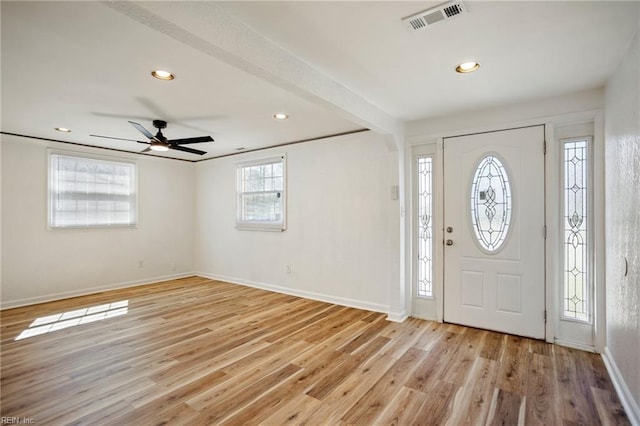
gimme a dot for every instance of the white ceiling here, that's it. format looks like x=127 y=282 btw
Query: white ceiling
x=531 y=49
x=333 y=67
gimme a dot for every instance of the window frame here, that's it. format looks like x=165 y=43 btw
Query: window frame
x=590 y=252
x=430 y=294
x=273 y=226
x=89 y=156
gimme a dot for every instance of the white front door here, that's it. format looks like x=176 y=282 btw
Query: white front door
x=494 y=270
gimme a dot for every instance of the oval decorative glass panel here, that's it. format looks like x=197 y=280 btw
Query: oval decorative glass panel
x=490 y=204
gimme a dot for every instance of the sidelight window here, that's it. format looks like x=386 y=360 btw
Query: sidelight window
x=576 y=245
x=425 y=227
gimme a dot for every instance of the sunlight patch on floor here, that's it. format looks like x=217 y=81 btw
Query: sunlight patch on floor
x=68 y=319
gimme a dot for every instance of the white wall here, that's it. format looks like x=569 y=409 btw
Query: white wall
x=342 y=226
x=622 y=127
x=525 y=113
x=40 y=264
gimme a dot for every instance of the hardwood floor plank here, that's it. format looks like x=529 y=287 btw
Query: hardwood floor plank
x=428 y=371
x=431 y=332
x=343 y=370
x=162 y=389
x=369 y=333
x=402 y=409
x=200 y=352
x=577 y=403
x=610 y=411
x=314 y=369
x=473 y=400
x=438 y=405
x=334 y=326
x=292 y=411
x=596 y=372
x=282 y=349
x=505 y=410
x=346 y=394
x=322 y=312
x=167 y=400
x=103 y=415
x=512 y=376
x=541 y=394
x=466 y=353
x=214 y=411
x=492 y=347
x=372 y=403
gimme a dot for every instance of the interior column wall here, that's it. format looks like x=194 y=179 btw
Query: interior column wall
x=622 y=163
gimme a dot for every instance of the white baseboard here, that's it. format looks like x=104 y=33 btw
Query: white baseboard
x=574 y=345
x=343 y=301
x=91 y=290
x=626 y=398
x=397 y=316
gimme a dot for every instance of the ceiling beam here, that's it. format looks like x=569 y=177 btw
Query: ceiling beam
x=208 y=28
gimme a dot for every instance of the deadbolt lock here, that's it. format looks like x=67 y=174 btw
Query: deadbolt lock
x=449 y=229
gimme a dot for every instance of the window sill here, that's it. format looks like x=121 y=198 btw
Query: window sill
x=76 y=227
x=260 y=227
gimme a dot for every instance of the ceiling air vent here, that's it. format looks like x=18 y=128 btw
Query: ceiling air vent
x=434 y=15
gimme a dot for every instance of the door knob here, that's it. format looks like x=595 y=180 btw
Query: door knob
x=449 y=242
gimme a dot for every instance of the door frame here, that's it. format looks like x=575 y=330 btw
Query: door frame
x=515 y=144
x=553 y=275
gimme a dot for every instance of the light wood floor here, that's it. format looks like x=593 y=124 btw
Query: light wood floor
x=196 y=351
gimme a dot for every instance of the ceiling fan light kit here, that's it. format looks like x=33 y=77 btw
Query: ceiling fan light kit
x=160 y=147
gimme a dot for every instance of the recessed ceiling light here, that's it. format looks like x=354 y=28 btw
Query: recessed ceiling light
x=163 y=75
x=63 y=129
x=280 y=116
x=467 y=67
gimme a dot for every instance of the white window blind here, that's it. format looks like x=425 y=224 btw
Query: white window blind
x=261 y=194
x=88 y=192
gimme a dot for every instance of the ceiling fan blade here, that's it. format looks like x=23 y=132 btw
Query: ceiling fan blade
x=118 y=139
x=146 y=150
x=146 y=143
x=191 y=140
x=185 y=149
x=141 y=129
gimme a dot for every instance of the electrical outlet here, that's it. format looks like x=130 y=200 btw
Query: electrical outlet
x=140 y=263
x=288 y=268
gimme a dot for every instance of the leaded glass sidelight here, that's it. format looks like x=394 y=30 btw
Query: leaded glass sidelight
x=491 y=204
x=425 y=227
x=576 y=297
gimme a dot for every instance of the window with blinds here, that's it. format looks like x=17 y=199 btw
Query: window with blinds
x=261 y=194
x=91 y=192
